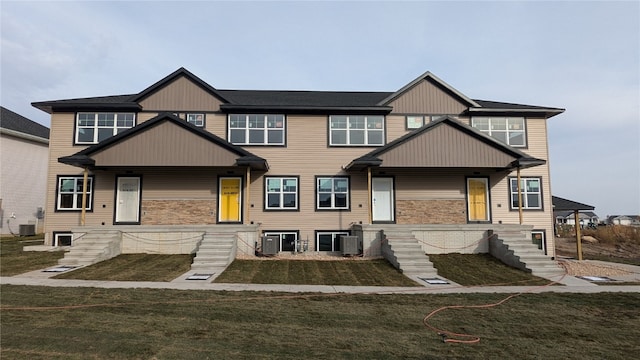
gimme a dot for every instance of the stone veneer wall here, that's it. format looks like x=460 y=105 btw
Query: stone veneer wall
x=431 y=212
x=178 y=212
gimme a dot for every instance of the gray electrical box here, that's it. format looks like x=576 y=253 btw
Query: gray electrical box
x=27 y=230
x=270 y=244
x=350 y=245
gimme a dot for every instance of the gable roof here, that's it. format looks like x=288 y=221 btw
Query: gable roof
x=16 y=124
x=560 y=204
x=428 y=76
x=164 y=140
x=446 y=143
x=570 y=214
x=285 y=101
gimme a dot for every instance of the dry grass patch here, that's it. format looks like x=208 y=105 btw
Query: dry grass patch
x=14 y=260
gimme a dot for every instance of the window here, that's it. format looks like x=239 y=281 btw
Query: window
x=256 y=129
x=288 y=240
x=356 y=130
x=510 y=131
x=196 y=119
x=415 y=122
x=332 y=193
x=281 y=193
x=531 y=193
x=70 y=193
x=329 y=240
x=91 y=128
x=62 y=238
x=537 y=238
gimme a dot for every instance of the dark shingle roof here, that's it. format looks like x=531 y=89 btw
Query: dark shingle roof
x=302 y=98
x=16 y=122
x=564 y=204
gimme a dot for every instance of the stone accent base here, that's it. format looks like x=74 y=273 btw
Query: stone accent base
x=431 y=212
x=178 y=212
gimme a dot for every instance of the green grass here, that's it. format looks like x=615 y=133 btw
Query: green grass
x=481 y=269
x=14 y=261
x=134 y=267
x=173 y=324
x=340 y=272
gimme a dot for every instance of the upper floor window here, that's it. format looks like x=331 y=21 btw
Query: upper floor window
x=510 y=131
x=417 y=121
x=356 y=130
x=91 y=128
x=69 y=196
x=256 y=129
x=332 y=193
x=196 y=119
x=531 y=191
x=281 y=193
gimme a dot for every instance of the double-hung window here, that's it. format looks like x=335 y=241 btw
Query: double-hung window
x=356 y=130
x=281 y=193
x=256 y=129
x=509 y=130
x=91 y=128
x=329 y=240
x=531 y=193
x=69 y=195
x=332 y=193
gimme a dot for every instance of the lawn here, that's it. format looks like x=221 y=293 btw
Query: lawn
x=86 y=323
x=14 y=261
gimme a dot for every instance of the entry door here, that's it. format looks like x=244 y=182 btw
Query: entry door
x=382 y=199
x=128 y=200
x=229 y=195
x=478 y=199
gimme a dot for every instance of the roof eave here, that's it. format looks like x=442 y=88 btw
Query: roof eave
x=50 y=107
x=82 y=161
x=546 y=112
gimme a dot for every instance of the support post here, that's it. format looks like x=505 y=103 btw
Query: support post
x=85 y=182
x=578 y=237
x=370 y=192
x=519 y=197
x=247 y=196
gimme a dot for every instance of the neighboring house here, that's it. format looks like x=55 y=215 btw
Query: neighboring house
x=623 y=220
x=568 y=218
x=24 y=154
x=161 y=167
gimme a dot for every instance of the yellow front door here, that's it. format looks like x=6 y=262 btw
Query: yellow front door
x=230 y=200
x=477 y=195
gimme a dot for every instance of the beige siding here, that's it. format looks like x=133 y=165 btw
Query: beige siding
x=181 y=95
x=427 y=98
x=165 y=144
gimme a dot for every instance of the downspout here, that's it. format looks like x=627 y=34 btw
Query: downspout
x=519 y=197
x=578 y=237
x=370 y=195
x=85 y=180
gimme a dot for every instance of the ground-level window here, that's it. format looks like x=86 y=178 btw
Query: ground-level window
x=329 y=240
x=62 y=238
x=91 y=128
x=281 y=193
x=196 y=119
x=288 y=240
x=531 y=191
x=69 y=193
x=538 y=239
x=332 y=193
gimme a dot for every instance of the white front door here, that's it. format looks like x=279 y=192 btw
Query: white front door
x=128 y=200
x=382 y=199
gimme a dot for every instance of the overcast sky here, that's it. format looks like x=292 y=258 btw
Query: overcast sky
x=581 y=56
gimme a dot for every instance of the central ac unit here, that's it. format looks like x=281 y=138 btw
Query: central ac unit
x=27 y=229
x=270 y=244
x=350 y=245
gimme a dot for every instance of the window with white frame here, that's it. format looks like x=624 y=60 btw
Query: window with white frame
x=415 y=121
x=281 y=193
x=537 y=238
x=329 y=240
x=256 y=129
x=196 y=119
x=69 y=196
x=356 y=130
x=62 y=238
x=288 y=239
x=531 y=193
x=91 y=128
x=509 y=130
x=332 y=193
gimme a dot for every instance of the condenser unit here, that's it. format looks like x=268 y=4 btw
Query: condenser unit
x=350 y=245
x=27 y=229
x=270 y=244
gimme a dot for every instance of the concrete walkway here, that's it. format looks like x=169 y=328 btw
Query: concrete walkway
x=571 y=284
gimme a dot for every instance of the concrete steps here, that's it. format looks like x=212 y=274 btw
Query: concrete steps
x=515 y=249
x=93 y=247
x=405 y=253
x=214 y=252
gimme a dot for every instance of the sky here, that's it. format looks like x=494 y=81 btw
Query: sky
x=582 y=56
